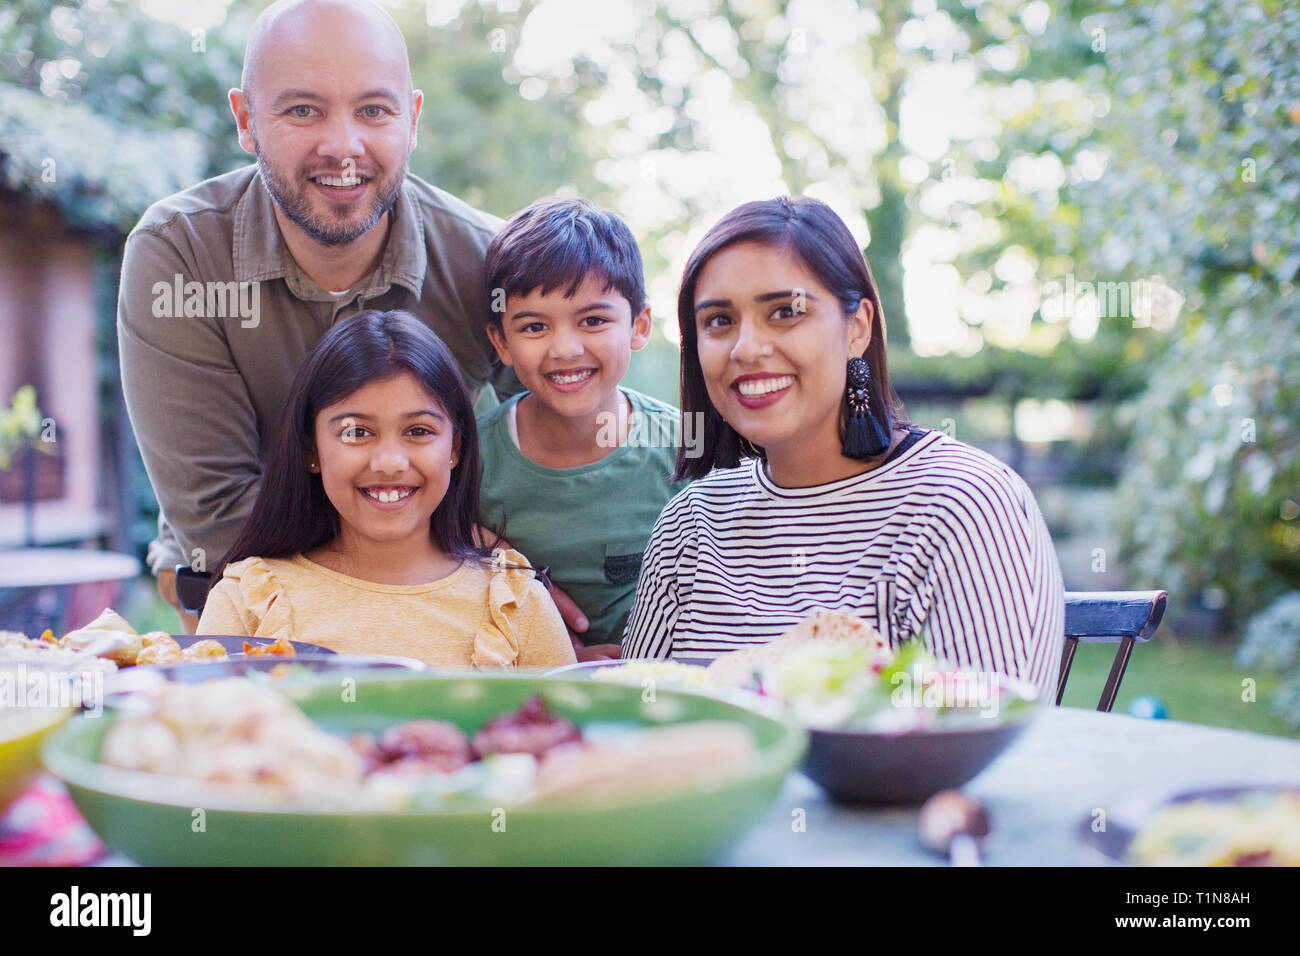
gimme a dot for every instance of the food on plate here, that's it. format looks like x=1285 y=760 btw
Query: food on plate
x=532 y=729
x=125 y=647
x=108 y=624
x=417 y=746
x=279 y=646
x=235 y=731
x=16 y=648
x=204 y=650
x=649 y=761
x=839 y=684
x=667 y=673
x=1254 y=828
x=160 y=649
x=739 y=667
x=231 y=731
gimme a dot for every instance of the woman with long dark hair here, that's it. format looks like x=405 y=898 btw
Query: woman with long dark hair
x=814 y=491
x=362 y=538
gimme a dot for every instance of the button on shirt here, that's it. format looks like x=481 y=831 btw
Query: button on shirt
x=215 y=317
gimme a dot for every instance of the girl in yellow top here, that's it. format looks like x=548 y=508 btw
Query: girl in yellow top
x=363 y=535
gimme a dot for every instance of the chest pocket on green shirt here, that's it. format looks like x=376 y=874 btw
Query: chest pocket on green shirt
x=623 y=561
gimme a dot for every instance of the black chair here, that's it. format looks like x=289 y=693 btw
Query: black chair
x=191 y=589
x=1107 y=617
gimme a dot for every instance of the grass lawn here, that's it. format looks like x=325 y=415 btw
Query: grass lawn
x=1198 y=682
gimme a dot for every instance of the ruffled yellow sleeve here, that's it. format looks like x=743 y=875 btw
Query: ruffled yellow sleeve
x=257 y=596
x=521 y=617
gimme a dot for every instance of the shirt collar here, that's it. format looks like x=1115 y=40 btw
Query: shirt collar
x=261 y=254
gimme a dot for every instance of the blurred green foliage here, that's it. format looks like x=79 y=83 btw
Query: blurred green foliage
x=1272 y=641
x=20 y=426
x=1202 y=187
x=135 y=109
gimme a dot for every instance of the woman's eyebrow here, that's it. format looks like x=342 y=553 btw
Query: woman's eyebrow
x=762 y=297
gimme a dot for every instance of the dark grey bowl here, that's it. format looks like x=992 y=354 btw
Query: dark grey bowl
x=902 y=769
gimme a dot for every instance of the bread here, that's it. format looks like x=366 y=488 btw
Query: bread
x=739 y=667
x=655 y=760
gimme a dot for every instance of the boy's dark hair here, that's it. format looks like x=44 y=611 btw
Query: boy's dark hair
x=557 y=243
x=292 y=513
x=810 y=230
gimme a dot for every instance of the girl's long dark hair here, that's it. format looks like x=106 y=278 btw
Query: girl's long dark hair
x=292 y=513
x=809 y=229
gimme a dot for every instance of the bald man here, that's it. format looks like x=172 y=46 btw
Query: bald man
x=227 y=285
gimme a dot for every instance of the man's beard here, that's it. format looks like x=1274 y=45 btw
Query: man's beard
x=295 y=204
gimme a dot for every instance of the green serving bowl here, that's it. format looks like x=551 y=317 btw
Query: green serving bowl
x=145 y=818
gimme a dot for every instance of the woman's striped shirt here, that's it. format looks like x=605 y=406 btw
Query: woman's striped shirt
x=942 y=536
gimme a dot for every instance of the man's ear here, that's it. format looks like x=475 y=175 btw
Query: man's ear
x=239 y=105
x=641 y=326
x=497 y=334
x=417 y=104
x=861 y=328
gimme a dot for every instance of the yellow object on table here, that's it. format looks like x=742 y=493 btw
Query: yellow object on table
x=22 y=731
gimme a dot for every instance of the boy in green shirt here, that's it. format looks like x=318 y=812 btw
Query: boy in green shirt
x=575 y=469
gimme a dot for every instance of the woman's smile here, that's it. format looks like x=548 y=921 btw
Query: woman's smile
x=762 y=389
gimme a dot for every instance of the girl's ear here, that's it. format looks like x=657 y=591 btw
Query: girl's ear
x=313 y=462
x=861 y=328
x=455 y=450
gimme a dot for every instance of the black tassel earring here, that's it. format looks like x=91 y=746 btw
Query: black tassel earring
x=864 y=435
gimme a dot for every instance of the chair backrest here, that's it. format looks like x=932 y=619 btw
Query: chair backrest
x=1108 y=617
x=191 y=589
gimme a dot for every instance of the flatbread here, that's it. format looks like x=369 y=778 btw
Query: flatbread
x=739 y=667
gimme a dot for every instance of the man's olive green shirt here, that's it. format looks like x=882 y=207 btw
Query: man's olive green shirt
x=206 y=368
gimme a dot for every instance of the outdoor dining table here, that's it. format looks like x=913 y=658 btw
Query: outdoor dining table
x=1046 y=787
x=1041 y=793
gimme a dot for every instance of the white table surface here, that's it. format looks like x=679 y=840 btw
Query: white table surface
x=1069 y=763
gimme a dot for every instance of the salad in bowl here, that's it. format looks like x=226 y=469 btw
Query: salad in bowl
x=841 y=685
x=885 y=727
